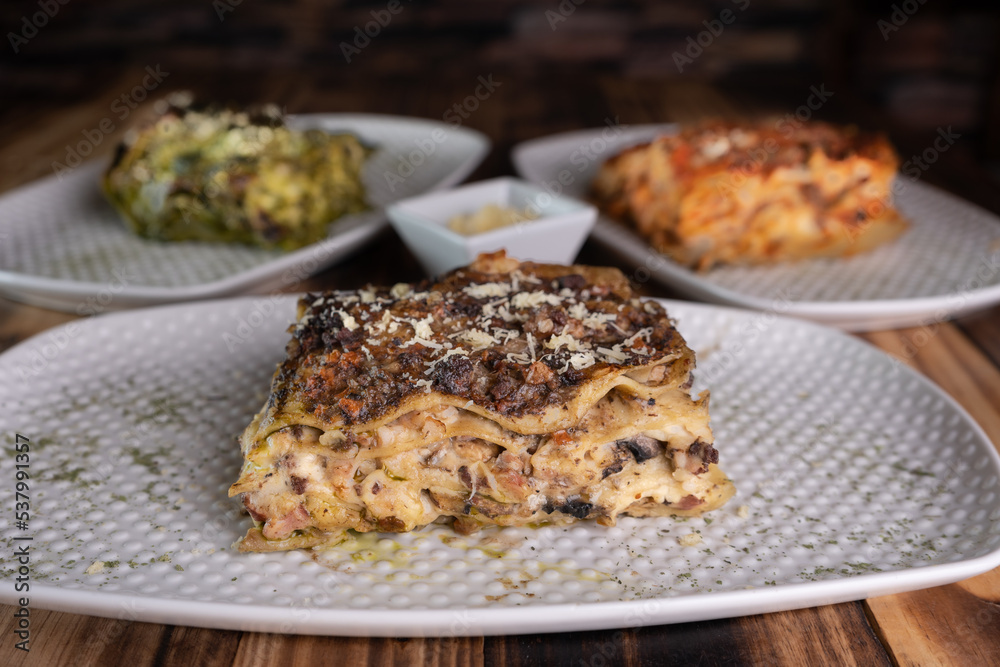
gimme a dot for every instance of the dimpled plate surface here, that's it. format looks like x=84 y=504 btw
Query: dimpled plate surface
x=946 y=264
x=62 y=246
x=855 y=477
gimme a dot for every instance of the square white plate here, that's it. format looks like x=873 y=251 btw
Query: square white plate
x=855 y=477
x=946 y=265
x=62 y=246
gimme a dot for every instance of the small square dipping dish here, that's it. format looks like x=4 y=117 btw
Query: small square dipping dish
x=555 y=236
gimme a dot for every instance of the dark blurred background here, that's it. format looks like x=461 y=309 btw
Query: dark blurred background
x=909 y=67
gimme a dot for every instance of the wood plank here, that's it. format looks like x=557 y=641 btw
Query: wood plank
x=274 y=650
x=983 y=328
x=30 y=154
x=693 y=101
x=985 y=586
x=947 y=625
x=604 y=647
x=198 y=646
x=801 y=637
x=19 y=322
x=627 y=102
x=811 y=637
x=718 y=642
x=71 y=639
x=666 y=102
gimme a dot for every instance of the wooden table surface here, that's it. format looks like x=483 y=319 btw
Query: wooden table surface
x=955 y=624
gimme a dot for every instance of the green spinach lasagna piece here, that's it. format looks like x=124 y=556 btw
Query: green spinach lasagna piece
x=241 y=176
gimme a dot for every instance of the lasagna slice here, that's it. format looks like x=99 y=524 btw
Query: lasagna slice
x=725 y=193
x=502 y=393
x=217 y=174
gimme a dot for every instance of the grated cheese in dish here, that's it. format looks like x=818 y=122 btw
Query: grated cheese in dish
x=488 y=218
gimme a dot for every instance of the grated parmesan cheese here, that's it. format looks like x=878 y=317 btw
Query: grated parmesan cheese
x=518 y=357
x=572 y=344
x=578 y=311
x=95 y=568
x=582 y=360
x=349 y=322
x=484 y=290
x=477 y=340
x=425 y=342
x=598 y=320
x=384 y=321
x=422 y=328
x=534 y=299
x=641 y=333
x=614 y=353
x=689 y=540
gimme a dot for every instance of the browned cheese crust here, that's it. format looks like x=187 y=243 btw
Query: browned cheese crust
x=504 y=393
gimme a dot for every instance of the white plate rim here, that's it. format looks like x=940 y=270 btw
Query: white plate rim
x=474 y=622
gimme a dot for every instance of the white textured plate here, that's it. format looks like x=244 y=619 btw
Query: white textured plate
x=855 y=477
x=947 y=264
x=62 y=246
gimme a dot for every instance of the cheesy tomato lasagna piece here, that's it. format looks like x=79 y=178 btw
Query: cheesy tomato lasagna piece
x=501 y=393
x=727 y=193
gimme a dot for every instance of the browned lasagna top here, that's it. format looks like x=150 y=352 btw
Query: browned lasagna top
x=505 y=339
x=769 y=146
